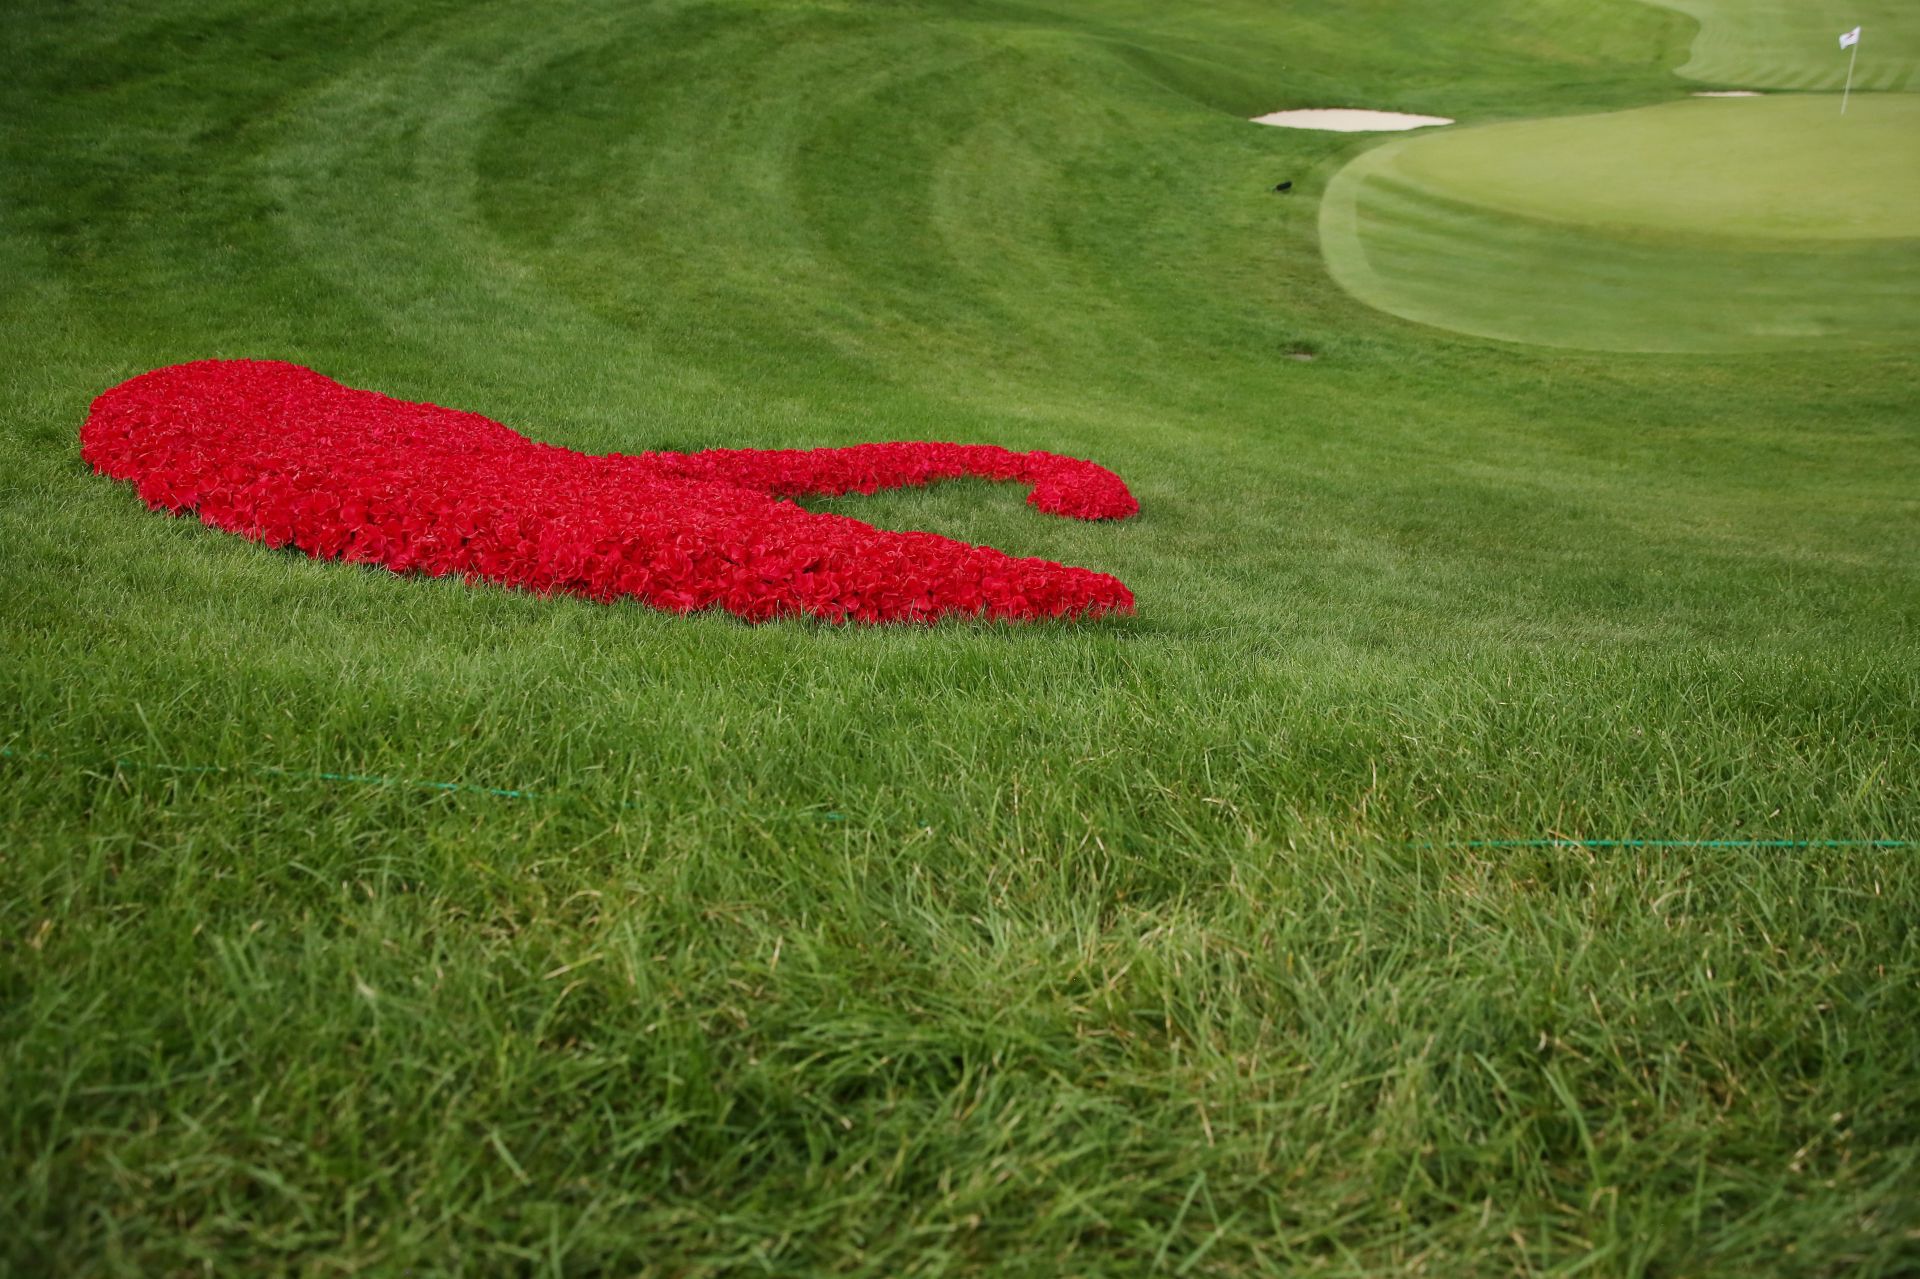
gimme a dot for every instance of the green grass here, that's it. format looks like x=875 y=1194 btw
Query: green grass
x=1107 y=949
x=1795 y=44
x=1788 y=167
x=1725 y=225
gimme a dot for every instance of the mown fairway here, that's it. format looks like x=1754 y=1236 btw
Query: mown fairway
x=1794 y=44
x=1142 y=945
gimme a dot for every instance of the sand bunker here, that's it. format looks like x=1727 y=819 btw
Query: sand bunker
x=1345 y=120
x=1729 y=93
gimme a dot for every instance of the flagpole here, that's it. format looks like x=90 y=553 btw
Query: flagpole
x=1849 y=89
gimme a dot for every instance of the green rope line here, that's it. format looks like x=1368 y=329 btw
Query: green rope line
x=1570 y=842
x=309 y=775
x=372 y=779
x=297 y=774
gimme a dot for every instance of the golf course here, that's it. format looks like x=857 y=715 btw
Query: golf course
x=1722 y=225
x=1486 y=845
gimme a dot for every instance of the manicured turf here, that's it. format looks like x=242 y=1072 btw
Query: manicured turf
x=1729 y=224
x=1789 y=167
x=1795 y=44
x=1102 y=949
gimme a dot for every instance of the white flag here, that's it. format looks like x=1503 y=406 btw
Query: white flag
x=1850 y=39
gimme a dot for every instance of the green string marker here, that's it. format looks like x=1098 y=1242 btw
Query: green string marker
x=372 y=779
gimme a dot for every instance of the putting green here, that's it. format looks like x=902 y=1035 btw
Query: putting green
x=1706 y=225
x=1795 y=44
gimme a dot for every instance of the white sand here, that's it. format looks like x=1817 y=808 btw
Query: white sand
x=1344 y=120
x=1728 y=93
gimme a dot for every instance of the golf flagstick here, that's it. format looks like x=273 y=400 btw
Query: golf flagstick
x=1849 y=40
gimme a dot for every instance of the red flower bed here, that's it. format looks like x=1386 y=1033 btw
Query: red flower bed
x=286 y=456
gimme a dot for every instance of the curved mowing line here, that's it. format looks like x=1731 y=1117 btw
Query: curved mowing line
x=372 y=779
x=1417 y=228
x=1794 y=44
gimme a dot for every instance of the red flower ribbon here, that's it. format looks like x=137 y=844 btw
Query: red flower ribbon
x=286 y=456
